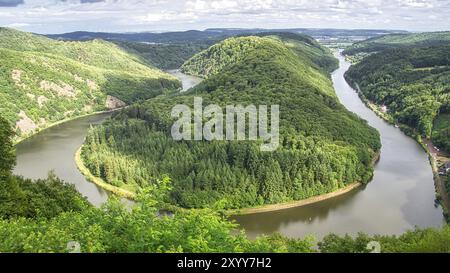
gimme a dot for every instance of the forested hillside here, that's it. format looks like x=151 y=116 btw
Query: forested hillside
x=43 y=81
x=323 y=146
x=414 y=84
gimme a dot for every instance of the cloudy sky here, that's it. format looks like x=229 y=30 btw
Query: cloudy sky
x=58 y=16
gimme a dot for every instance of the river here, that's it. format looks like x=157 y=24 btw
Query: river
x=400 y=196
x=54 y=149
x=187 y=80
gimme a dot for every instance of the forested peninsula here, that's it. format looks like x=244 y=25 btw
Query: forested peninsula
x=323 y=146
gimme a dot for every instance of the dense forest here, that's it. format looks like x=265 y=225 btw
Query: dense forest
x=50 y=216
x=324 y=147
x=414 y=84
x=43 y=81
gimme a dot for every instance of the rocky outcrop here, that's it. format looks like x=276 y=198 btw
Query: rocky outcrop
x=114 y=103
x=63 y=90
x=25 y=124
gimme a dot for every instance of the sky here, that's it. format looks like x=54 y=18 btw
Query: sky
x=60 y=16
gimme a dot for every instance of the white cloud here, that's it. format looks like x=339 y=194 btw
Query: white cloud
x=51 y=16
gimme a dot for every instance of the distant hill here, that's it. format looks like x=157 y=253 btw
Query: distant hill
x=173 y=55
x=413 y=83
x=213 y=34
x=323 y=146
x=169 y=50
x=390 y=41
x=164 y=56
x=43 y=81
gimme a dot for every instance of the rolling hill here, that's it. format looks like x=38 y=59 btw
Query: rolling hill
x=43 y=81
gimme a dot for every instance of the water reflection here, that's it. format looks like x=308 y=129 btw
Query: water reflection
x=54 y=149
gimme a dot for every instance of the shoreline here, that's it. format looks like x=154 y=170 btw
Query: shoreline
x=99 y=181
x=439 y=185
x=304 y=202
x=21 y=139
x=298 y=203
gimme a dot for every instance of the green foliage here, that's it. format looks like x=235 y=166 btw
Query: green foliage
x=441 y=131
x=213 y=60
x=7 y=156
x=115 y=228
x=447 y=187
x=323 y=146
x=21 y=197
x=44 y=81
x=41 y=198
x=413 y=83
x=231 y=51
x=47 y=215
x=428 y=240
x=306 y=48
x=164 y=56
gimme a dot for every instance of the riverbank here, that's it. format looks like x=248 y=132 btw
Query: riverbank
x=100 y=182
x=303 y=202
x=442 y=193
x=21 y=139
x=299 y=203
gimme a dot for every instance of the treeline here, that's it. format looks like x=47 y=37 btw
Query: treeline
x=413 y=83
x=323 y=146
